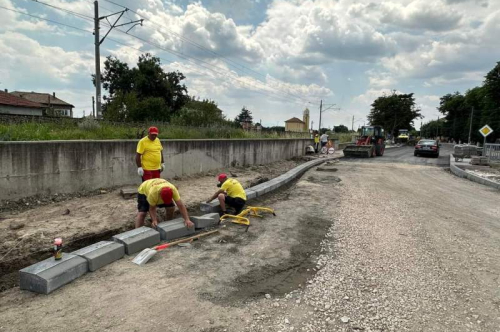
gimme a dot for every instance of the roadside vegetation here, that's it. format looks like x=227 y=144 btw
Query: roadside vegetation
x=93 y=130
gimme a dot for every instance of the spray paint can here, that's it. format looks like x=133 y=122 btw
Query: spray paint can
x=57 y=248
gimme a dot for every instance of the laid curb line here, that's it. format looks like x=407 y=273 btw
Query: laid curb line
x=465 y=175
x=271 y=185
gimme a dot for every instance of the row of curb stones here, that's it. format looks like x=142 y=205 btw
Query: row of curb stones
x=266 y=187
x=48 y=275
x=474 y=178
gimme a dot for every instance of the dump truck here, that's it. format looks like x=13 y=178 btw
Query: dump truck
x=371 y=143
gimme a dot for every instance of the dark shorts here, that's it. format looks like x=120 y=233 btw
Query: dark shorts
x=323 y=144
x=143 y=205
x=148 y=175
x=236 y=203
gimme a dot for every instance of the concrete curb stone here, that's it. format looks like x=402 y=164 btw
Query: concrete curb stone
x=48 y=275
x=101 y=253
x=138 y=239
x=173 y=229
x=206 y=220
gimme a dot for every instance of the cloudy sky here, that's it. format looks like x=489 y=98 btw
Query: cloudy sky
x=276 y=57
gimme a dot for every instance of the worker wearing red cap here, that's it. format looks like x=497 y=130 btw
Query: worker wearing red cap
x=155 y=193
x=231 y=193
x=149 y=157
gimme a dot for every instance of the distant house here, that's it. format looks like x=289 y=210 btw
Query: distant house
x=52 y=104
x=11 y=104
x=297 y=125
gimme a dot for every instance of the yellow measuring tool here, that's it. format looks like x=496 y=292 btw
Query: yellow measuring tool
x=250 y=211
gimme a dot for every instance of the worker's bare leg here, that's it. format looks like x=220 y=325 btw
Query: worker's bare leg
x=169 y=213
x=139 y=222
x=222 y=201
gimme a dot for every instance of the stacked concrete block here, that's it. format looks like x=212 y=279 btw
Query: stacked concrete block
x=174 y=229
x=101 y=253
x=207 y=220
x=211 y=207
x=48 y=275
x=138 y=239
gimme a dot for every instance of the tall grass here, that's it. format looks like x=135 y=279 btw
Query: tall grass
x=71 y=130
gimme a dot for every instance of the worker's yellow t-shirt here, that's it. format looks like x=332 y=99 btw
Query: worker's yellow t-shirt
x=234 y=189
x=151 y=153
x=151 y=188
x=316 y=139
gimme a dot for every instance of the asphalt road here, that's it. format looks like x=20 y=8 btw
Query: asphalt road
x=405 y=155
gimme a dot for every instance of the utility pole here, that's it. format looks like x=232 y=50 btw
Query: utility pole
x=97 y=59
x=93 y=107
x=470 y=128
x=352 y=126
x=98 y=43
x=320 y=111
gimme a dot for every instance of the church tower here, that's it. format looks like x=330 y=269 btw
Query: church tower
x=306 y=120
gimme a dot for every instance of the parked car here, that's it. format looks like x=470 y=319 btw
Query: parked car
x=427 y=147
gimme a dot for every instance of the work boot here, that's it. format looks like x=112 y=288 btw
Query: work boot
x=221 y=213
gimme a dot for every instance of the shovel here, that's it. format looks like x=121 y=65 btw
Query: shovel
x=145 y=255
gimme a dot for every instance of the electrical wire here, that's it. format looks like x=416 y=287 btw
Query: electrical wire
x=225 y=59
x=45 y=19
x=178 y=54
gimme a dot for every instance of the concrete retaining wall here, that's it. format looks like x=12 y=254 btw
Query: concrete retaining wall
x=31 y=168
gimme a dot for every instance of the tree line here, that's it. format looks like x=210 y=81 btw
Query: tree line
x=477 y=107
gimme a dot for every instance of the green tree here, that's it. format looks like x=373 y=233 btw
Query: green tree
x=147 y=85
x=200 y=113
x=341 y=129
x=394 y=112
x=244 y=116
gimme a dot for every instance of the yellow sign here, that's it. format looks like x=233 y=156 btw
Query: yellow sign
x=486 y=130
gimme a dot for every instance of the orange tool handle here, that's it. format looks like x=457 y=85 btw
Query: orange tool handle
x=162 y=246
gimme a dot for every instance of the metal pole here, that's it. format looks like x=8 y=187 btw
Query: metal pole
x=470 y=129
x=93 y=107
x=97 y=61
x=352 y=125
x=320 y=111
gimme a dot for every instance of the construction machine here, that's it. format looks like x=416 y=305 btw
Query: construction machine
x=404 y=136
x=371 y=143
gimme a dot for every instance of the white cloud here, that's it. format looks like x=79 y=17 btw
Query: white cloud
x=12 y=21
x=317 y=32
x=36 y=62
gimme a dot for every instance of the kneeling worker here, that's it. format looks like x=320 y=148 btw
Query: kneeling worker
x=230 y=193
x=159 y=193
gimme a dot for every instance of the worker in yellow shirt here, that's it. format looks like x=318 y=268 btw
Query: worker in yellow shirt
x=316 y=142
x=159 y=192
x=149 y=157
x=231 y=193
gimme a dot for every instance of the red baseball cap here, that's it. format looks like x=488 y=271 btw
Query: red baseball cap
x=166 y=195
x=153 y=130
x=222 y=177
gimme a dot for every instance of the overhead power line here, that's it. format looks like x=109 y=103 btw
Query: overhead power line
x=45 y=19
x=224 y=58
x=275 y=91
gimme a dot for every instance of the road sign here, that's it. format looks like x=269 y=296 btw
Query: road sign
x=486 y=130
